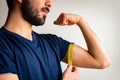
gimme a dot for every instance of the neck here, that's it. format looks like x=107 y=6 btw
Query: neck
x=15 y=23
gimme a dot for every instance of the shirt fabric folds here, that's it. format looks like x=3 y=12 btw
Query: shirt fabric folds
x=38 y=59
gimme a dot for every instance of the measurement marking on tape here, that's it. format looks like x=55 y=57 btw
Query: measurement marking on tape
x=70 y=53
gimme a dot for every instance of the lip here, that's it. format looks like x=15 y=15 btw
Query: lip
x=45 y=10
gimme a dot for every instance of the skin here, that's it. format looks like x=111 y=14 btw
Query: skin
x=94 y=57
x=71 y=73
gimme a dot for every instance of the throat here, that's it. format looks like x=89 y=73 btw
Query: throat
x=29 y=37
x=27 y=34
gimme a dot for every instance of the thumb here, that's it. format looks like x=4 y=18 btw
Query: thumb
x=68 y=69
x=55 y=22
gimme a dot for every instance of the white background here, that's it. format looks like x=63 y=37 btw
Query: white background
x=103 y=16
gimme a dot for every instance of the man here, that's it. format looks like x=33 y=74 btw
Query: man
x=27 y=55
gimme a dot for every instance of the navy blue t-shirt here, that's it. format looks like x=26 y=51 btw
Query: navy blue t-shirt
x=32 y=60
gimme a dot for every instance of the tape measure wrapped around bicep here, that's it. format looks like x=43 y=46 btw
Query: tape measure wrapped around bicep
x=70 y=53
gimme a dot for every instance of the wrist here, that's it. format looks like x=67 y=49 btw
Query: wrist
x=81 y=22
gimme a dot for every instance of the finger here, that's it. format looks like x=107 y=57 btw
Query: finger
x=65 y=22
x=58 y=22
x=55 y=22
x=75 y=73
x=68 y=70
x=74 y=69
x=61 y=20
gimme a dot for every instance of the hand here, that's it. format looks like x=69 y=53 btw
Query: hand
x=67 y=19
x=71 y=73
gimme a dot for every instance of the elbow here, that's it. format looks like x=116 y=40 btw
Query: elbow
x=105 y=64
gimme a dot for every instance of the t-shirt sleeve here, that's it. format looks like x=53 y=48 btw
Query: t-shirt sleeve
x=7 y=63
x=63 y=48
x=60 y=44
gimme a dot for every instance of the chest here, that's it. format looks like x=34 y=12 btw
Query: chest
x=38 y=62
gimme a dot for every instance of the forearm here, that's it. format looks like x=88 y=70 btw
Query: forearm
x=95 y=48
x=8 y=76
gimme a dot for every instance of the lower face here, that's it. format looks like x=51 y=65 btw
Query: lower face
x=33 y=15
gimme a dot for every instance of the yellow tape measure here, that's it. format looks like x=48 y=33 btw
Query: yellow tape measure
x=70 y=53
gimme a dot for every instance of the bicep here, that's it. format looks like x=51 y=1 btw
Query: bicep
x=8 y=76
x=81 y=58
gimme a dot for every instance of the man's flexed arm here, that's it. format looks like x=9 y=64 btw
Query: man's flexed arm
x=95 y=56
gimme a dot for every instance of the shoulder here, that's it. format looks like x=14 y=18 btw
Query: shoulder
x=52 y=38
x=5 y=41
x=2 y=36
x=48 y=37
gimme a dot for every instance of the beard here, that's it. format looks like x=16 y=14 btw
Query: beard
x=31 y=15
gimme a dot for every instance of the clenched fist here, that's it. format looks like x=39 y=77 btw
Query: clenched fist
x=67 y=19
